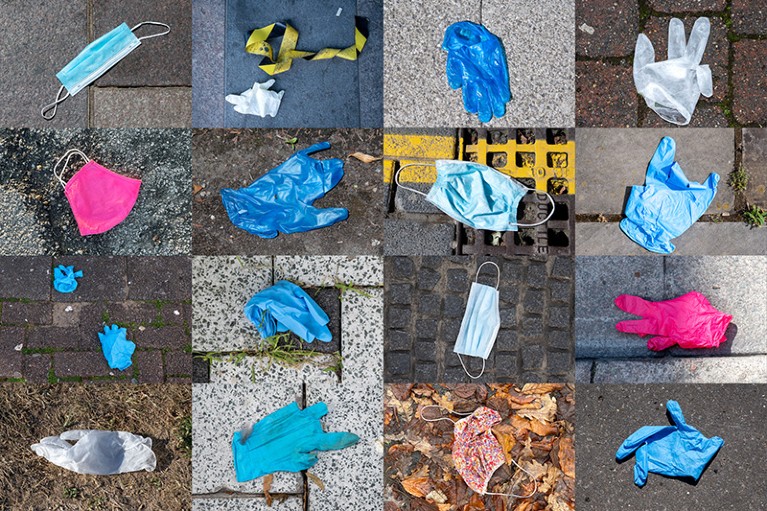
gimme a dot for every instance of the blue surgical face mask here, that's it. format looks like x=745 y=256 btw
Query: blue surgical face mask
x=476 y=195
x=96 y=59
x=481 y=322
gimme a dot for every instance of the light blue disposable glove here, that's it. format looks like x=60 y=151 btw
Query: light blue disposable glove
x=668 y=204
x=285 y=306
x=65 y=278
x=285 y=441
x=674 y=451
x=116 y=347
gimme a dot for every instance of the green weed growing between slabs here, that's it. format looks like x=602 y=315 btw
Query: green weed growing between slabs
x=754 y=216
x=343 y=287
x=280 y=348
x=185 y=434
x=738 y=180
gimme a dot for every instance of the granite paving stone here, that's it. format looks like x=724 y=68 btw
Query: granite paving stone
x=605 y=95
x=245 y=504
x=103 y=279
x=362 y=328
x=261 y=370
x=369 y=68
x=329 y=270
x=177 y=363
x=27 y=313
x=208 y=37
x=25 y=278
x=749 y=16
x=36 y=368
x=155 y=278
x=142 y=107
x=749 y=369
x=755 y=164
x=614 y=25
x=749 y=82
x=411 y=237
x=683 y=6
x=149 y=365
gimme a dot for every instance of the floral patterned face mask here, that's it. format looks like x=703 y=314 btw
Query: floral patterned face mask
x=477 y=454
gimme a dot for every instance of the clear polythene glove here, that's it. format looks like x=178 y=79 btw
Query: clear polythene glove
x=672 y=87
x=258 y=100
x=98 y=452
x=281 y=200
x=476 y=62
x=668 y=203
x=674 y=451
x=286 y=440
x=689 y=321
x=116 y=347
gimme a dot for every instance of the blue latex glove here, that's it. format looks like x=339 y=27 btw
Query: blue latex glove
x=285 y=441
x=674 y=451
x=476 y=62
x=285 y=306
x=281 y=200
x=116 y=347
x=64 y=278
x=668 y=204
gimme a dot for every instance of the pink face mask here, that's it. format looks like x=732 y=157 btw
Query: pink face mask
x=100 y=199
x=477 y=454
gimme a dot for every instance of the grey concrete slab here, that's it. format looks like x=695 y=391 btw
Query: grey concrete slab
x=327 y=271
x=755 y=164
x=25 y=278
x=370 y=65
x=208 y=38
x=165 y=60
x=406 y=237
x=703 y=238
x=362 y=327
x=143 y=107
x=607 y=414
x=583 y=370
x=748 y=369
x=237 y=503
x=221 y=286
x=609 y=161
x=31 y=61
x=260 y=370
x=323 y=93
x=218 y=410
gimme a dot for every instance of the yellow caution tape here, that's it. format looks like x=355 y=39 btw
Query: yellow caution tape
x=258 y=44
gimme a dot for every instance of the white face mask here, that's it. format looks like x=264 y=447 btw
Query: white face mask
x=481 y=321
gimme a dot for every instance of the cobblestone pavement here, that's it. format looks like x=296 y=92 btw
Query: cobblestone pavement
x=235 y=158
x=607 y=30
x=736 y=285
x=149 y=87
x=244 y=386
x=35 y=216
x=426 y=300
x=608 y=414
x=47 y=336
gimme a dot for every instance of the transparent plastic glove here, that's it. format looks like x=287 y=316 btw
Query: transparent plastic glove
x=674 y=451
x=98 y=452
x=668 y=203
x=689 y=321
x=671 y=88
x=258 y=100
x=116 y=347
x=286 y=440
x=476 y=62
x=65 y=278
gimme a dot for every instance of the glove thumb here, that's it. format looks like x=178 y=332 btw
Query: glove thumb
x=644 y=53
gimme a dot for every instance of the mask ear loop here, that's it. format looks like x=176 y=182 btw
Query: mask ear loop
x=535 y=481
x=156 y=23
x=551 y=213
x=441 y=418
x=65 y=158
x=55 y=105
x=497 y=285
x=396 y=176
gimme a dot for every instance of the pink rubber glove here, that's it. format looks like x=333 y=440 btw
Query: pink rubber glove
x=689 y=321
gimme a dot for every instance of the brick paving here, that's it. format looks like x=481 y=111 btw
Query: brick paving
x=46 y=336
x=425 y=301
x=606 y=32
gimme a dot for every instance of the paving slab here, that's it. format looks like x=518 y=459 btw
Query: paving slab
x=603 y=178
x=749 y=16
x=25 y=278
x=703 y=238
x=221 y=286
x=614 y=25
x=259 y=369
x=755 y=164
x=362 y=327
x=142 y=107
x=234 y=159
x=605 y=95
x=408 y=237
x=749 y=83
x=30 y=62
x=607 y=414
x=218 y=410
x=208 y=38
x=237 y=503
x=165 y=60
x=681 y=6
x=583 y=370
x=748 y=369
x=327 y=271
x=370 y=67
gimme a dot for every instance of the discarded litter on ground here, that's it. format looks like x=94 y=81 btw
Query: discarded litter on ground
x=258 y=100
x=116 y=347
x=65 y=278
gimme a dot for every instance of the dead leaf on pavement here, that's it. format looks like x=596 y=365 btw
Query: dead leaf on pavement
x=546 y=412
x=316 y=480
x=267 y=488
x=475 y=504
x=541 y=388
x=417 y=486
x=196 y=189
x=365 y=158
x=567 y=457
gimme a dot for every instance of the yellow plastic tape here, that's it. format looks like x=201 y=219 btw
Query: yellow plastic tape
x=258 y=44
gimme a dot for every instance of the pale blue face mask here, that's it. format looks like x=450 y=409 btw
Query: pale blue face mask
x=481 y=321
x=476 y=195
x=96 y=59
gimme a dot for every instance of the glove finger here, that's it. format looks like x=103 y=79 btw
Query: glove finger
x=698 y=40
x=705 y=82
x=641 y=465
x=316 y=411
x=660 y=343
x=74 y=434
x=677 y=417
x=641 y=327
x=484 y=103
x=677 y=45
x=644 y=53
x=634 y=305
x=662 y=159
x=235 y=99
x=335 y=441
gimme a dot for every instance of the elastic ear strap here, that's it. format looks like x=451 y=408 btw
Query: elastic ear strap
x=551 y=213
x=467 y=371
x=55 y=105
x=396 y=176
x=156 y=23
x=497 y=281
x=514 y=494
x=65 y=158
x=441 y=418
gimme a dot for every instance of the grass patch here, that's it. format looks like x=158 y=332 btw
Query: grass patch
x=738 y=180
x=754 y=216
x=185 y=434
x=344 y=287
x=72 y=493
x=40 y=351
x=52 y=376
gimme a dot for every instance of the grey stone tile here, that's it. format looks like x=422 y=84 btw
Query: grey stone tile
x=370 y=65
x=245 y=504
x=583 y=371
x=259 y=370
x=752 y=369
x=208 y=37
x=26 y=277
x=755 y=164
x=609 y=161
x=143 y=107
x=405 y=237
x=362 y=338
x=322 y=271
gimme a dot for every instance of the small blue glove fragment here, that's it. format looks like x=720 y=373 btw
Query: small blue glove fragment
x=674 y=451
x=64 y=278
x=281 y=200
x=668 y=204
x=286 y=440
x=285 y=306
x=116 y=347
x=476 y=62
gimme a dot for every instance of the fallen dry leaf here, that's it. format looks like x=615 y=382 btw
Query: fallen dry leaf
x=436 y=496
x=365 y=158
x=316 y=480
x=546 y=412
x=196 y=189
x=475 y=504
x=267 y=487
x=541 y=429
x=505 y=435
x=417 y=486
x=541 y=388
x=567 y=457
